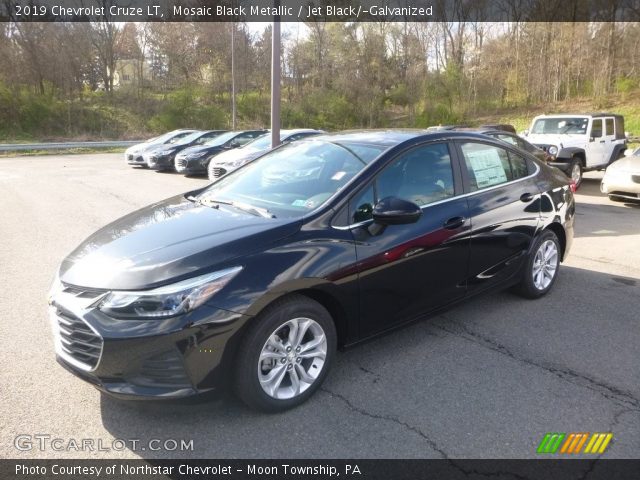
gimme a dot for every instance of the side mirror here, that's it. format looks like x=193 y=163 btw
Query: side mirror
x=395 y=211
x=525 y=133
x=592 y=139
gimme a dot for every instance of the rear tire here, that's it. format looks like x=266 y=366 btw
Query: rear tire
x=286 y=354
x=541 y=268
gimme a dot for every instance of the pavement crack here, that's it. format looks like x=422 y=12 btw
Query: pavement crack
x=432 y=444
x=609 y=392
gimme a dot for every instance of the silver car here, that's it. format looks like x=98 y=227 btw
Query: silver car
x=227 y=162
x=135 y=155
x=621 y=180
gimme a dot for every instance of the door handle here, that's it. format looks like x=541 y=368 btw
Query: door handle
x=453 y=223
x=602 y=141
x=526 y=197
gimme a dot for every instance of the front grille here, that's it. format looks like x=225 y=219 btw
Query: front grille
x=219 y=172
x=165 y=369
x=635 y=178
x=129 y=157
x=77 y=339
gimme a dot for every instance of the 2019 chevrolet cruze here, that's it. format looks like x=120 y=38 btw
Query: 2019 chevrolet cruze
x=254 y=281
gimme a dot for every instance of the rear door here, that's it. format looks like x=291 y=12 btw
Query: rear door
x=406 y=270
x=504 y=207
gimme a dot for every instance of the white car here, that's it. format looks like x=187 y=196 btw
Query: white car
x=135 y=155
x=227 y=162
x=621 y=180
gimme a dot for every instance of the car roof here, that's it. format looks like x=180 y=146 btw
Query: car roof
x=484 y=131
x=392 y=137
x=579 y=115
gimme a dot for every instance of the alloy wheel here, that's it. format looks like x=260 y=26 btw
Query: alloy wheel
x=545 y=264
x=292 y=358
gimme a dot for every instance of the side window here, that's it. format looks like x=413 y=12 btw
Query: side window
x=487 y=165
x=361 y=206
x=518 y=166
x=243 y=139
x=509 y=139
x=609 y=127
x=423 y=175
x=596 y=128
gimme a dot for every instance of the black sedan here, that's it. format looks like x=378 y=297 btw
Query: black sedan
x=162 y=157
x=195 y=160
x=254 y=281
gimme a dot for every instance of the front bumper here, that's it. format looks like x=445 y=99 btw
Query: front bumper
x=621 y=184
x=134 y=159
x=133 y=359
x=192 y=166
x=559 y=163
x=156 y=162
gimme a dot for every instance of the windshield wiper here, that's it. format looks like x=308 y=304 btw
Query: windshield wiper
x=258 y=211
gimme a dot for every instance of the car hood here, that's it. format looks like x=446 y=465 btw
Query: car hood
x=237 y=154
x=166 y=242
x=557 y=140
x=626 y=164
x=203 y=148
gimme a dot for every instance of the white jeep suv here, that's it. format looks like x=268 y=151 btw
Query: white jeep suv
x=579 y=143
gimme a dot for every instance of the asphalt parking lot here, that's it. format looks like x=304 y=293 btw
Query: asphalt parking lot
x=486 y=379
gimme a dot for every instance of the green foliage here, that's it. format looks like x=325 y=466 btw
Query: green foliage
x=626 y=85
x=183 y=109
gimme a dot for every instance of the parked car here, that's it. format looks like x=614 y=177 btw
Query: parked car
x=195 y=160
x=253 y=286
x=227 y=162
x=506 y=135
x=621 y=181
x=134 y=155
x=579 y=143
x=161 y=158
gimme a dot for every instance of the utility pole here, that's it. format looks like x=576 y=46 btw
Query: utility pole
x=233 y=76
x=275 y=79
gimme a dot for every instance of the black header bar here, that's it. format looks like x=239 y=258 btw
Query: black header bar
x=448 y=469
x=320 y=10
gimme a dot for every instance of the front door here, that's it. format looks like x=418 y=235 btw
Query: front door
x=406 y=270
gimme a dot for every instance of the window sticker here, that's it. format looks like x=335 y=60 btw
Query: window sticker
x=299 y=203
x=338 y=176
x=487 y=167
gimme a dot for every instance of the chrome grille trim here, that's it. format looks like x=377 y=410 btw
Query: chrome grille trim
x=218 y=172
x=76 y=341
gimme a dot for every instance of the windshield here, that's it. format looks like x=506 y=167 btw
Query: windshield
x=291 y=180
x=261 y=143
x=221 y=139
x=189 y=138
x=557 y=125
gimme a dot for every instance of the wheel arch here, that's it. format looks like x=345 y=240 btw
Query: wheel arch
x=319 y=292
x=558 y=229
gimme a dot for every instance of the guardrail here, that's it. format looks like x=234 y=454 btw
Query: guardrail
x=6 y=147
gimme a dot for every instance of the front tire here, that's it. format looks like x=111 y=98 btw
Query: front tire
x=286 y=354
x=575 y=171
x=541 y=269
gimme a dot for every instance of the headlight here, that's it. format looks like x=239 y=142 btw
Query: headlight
x=165 y=152
x=167 y=301
x=196 y=155
x=552 y=150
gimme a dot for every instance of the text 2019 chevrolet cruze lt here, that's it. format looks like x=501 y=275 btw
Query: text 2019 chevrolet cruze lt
x=254 y=281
